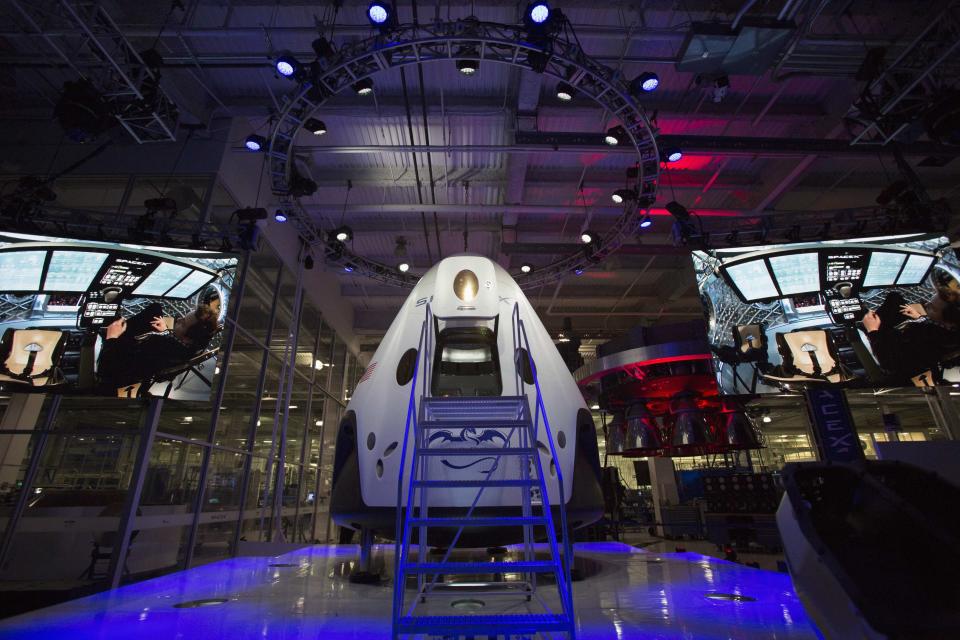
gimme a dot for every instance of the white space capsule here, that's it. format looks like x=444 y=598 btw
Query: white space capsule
x=472 y=300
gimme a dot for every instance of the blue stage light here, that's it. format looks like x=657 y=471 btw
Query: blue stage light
x=538 y=12
x=378 y=13
x=578 y=271
x=646 y=221
x=673 y=155
x=645 y=82
x=287 y=65
x=280 y=216
x=348 y=268
x=255 y=142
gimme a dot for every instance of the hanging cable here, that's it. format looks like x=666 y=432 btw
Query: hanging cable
x=413 y=154
x=346 y=199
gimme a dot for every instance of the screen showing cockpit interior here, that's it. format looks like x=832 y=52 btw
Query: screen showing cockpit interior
x=866 y=312
x=100 y=318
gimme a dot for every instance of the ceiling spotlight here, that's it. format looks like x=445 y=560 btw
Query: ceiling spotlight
x=314 y=126
x=287 y=65
x=644 y=83
x=623 y=195
x=403 y=267
x=280 y=216
x=565 y=92
x=646 y=221
x=615 y=135
x=468 y=67
x=578 y=271
x=586 y=237
x=673 y=155
x=526 y=267
x=380 y=14
x=363 y=87
x=537 y=14
x=767 y=419
x=349 y=267
x=343 y=234
x=255 y=142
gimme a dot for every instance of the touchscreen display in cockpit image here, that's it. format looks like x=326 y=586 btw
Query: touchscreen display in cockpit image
x=872 y=312
x=100 y=318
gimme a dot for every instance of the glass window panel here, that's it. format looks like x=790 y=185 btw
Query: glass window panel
x=883 y=268
x=190 y=284
x=21 y=270
x=797 y=273
x=72 y=270
x=163 y=277
x=915 y=269
x=753 y=280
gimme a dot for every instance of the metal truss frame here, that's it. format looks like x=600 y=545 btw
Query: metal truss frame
x=897 y=96
x=408 y=44
x=131 y=87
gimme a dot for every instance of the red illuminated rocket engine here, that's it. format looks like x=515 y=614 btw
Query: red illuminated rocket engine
x=663 y=397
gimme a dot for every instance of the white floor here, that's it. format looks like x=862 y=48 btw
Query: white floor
x=634 y=594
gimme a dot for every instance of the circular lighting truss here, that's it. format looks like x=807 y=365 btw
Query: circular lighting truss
x=488 y=42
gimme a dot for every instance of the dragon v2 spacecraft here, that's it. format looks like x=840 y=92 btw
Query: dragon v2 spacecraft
x=472 y=300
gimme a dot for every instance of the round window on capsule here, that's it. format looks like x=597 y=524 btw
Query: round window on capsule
x=466 y=285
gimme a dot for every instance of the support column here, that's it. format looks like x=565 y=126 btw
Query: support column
x=663 y=481
x=945 y=414
x=21 y=415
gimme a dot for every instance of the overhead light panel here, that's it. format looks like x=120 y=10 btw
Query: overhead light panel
x=615 y=135
x=644 y=83
x=468 y=67
x=314 y=126
x=255 y=142
x=363 y=87
x=565 y=92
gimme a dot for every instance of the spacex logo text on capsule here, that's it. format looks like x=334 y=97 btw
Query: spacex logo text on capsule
x=833 y=425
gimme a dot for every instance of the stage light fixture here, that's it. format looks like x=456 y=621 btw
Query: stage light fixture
x=646 y=221
x=673 y=155
x=280 y=216
x=349 y=267
x=363 y=87
x=537 y=14
x=565 y=92
x=615 y=135
x=578 y=271
x=322 y=47
x=587 y=236
x=379 y=13
x=644 y=83
x=468 y=67
x=767 y=419
x=287 y=65
x=403 y=267
x=255 y=142
x=526 y=267
x=308 y=263
x=677 y=210
x=314 y=126
x=343 y=234
x=623 y=195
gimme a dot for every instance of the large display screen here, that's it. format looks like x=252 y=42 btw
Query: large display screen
x=100 y=318
x=872 y=312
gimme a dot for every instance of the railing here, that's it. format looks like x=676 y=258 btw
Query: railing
x=424 y=351
x=520 y=340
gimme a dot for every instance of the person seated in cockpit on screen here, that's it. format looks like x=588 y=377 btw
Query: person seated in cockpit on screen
x=907 y=341
x=136 y=348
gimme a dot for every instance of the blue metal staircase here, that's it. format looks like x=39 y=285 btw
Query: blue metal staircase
x=516 y=468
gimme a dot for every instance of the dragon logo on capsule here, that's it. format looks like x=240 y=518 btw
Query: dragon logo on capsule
x=470 y=434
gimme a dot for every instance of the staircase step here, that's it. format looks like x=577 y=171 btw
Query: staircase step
x=473 y=424
x=478 y=451
x=489 y=625
x=476 y=521
x=492 y=484
x=449 y=568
